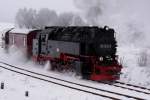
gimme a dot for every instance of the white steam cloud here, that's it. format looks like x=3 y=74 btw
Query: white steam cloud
x=91 y=10
x=130 y=18
x=17 y=57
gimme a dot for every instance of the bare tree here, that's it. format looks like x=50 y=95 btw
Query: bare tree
x=26 y=18
x=46 y=17
x=20 y=17
x=143 y=59
x=30 y=18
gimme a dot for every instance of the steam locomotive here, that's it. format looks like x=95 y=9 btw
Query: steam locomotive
x=88 y=51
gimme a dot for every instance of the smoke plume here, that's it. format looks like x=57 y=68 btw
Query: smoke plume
x=130 y=18
x=91 y=10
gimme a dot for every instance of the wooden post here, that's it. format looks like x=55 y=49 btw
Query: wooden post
x=26 y=93
x=2 y=85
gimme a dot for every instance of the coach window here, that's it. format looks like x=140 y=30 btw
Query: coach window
x=43 y=38
x=24 y=41
x=13 y=39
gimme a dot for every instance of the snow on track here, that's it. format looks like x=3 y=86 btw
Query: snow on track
x=129 y=87
x=128 y=93
x=69 y=85
x=133 y=87
x=17 y=84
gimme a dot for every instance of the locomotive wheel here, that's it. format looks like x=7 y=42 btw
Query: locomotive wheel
x=53 y=66
x=86 y=71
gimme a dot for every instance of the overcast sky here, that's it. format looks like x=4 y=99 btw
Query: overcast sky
x=8 y=8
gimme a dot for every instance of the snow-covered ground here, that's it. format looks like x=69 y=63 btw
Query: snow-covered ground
x=133 y=72
x=5 y=26
x=16 y=85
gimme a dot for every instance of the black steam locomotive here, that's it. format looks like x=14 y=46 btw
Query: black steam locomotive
x=88 y=51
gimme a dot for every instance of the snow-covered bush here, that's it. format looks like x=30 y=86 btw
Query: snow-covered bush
x=143 y=58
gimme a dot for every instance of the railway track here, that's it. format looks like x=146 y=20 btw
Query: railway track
x=69 y=84
x=136 y=86
x=129 y=87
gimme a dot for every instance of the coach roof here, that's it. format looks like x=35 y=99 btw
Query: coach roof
x=21 y=30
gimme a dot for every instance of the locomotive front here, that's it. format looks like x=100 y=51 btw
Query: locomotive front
x=105 y=61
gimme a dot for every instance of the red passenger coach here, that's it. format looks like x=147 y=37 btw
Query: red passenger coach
x=22 y=39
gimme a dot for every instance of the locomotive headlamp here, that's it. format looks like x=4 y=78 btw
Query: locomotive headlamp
x=57 y=50
x=101 y=58
x=108 y=56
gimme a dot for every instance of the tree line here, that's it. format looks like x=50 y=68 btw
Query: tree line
x=31 y=18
